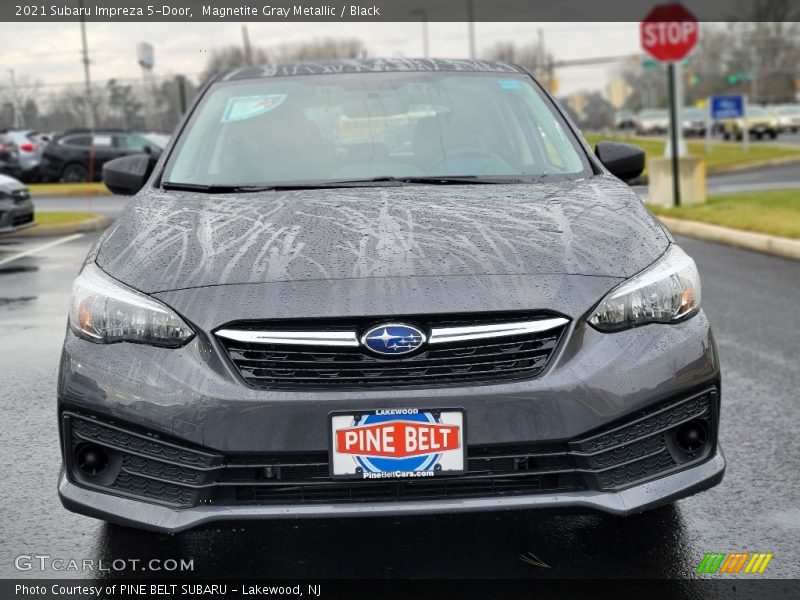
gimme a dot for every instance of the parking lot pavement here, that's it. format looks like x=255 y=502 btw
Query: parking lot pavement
x=109 y=206
x=751 y=300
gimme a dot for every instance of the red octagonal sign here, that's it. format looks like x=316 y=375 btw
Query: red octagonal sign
x=669 y=32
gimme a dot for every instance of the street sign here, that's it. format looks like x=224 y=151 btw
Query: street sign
x=145 y=55
x=727 y=107
x=669 y=32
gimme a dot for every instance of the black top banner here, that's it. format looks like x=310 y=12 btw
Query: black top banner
x=386 y=10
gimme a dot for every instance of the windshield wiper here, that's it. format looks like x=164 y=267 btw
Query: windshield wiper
x=440 y=180
x=312 y=185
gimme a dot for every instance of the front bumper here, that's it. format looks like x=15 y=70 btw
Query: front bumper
x=646 y=496
x=595 y=385
x=14 y=216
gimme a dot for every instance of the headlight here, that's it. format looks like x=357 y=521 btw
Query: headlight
x=105 y=311
x=666 y=292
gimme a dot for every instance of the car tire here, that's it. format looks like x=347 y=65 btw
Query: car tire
x=726 y=135
x=739 y=137
x=758 y=136
x=75 y=173
x=773 y=135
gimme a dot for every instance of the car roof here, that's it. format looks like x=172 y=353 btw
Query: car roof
x=369 y=65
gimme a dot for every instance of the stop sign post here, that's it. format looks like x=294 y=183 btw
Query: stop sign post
x=668 y=34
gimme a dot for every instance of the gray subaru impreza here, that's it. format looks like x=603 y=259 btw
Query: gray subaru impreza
x=383 y=287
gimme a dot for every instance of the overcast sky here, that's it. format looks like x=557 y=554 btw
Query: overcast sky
x=50 y=52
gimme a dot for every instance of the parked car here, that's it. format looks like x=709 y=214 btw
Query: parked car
x=652 y=121
x=280 y=326
x=29 y=145
x=625 y=120
x=787 y=116
x=16 y=206
x=9 y=157
x=760 y=123
x=694 y=121
x=67 y=156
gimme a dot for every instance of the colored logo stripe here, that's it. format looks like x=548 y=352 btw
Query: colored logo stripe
x=719 y=562
x=758 y=563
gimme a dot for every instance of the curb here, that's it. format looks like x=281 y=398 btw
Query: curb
x=82 y=193
x=757 y=164
x=760 y=242
x=93 y=223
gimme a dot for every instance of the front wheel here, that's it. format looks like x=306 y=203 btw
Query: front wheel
x=75 y=173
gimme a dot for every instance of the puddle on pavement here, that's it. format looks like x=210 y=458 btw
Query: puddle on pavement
x=17 y=269
x=19 y=300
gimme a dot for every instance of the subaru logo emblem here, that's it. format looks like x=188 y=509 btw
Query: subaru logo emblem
x=393 y=338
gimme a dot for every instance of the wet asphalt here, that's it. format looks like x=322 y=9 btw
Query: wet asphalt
x=752 y=302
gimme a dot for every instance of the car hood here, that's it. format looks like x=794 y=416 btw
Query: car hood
x=10 y=184
x=170 y=241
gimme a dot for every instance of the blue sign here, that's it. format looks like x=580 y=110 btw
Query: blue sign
x=727 y=107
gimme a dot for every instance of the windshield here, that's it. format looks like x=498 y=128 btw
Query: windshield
x=757 y=111
x=345 y=127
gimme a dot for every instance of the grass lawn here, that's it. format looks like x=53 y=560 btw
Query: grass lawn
x=722 y=154
x=776 y=212
x=61 y=218
x=68 y=189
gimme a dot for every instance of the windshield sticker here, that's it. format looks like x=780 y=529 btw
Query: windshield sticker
x=509 y=84
x=240 y=108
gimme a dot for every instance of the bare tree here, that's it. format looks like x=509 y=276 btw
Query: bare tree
x=329 y=48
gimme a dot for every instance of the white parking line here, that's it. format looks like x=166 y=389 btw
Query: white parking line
x=58 y=242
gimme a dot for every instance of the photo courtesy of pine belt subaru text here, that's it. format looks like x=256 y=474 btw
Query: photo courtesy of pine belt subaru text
x=383 y=287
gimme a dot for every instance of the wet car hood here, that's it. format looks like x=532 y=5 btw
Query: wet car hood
x=177 y=240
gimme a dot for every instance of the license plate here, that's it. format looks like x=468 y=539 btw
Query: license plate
x=405 y=443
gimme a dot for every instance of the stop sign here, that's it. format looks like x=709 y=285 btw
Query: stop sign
x=669 y=32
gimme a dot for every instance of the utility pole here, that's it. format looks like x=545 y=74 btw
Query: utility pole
x=471 y=27
x=541 y=61
x=89 y=106
x=19 y=118
x=423 y=17
x=248 y=51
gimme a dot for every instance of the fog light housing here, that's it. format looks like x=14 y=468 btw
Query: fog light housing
x=692 y=437
x=91 y=460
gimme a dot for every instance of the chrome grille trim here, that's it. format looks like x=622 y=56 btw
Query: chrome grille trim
x=439 y=335
x=443 y=335
x=295 y=338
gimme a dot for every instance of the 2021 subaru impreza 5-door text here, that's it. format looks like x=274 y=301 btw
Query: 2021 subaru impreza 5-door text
x=383 y=287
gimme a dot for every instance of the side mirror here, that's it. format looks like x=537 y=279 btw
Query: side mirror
x=126 y=175
x=625 y=161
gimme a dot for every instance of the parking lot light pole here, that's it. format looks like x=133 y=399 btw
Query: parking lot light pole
x=89 y=108
x=423 y=17
x=471 y=27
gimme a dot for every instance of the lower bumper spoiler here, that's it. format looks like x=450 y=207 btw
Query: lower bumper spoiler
x=636 y=499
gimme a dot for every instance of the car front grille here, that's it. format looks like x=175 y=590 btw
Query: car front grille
x=635 y=449
x=22 y=219
x=290 y=365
